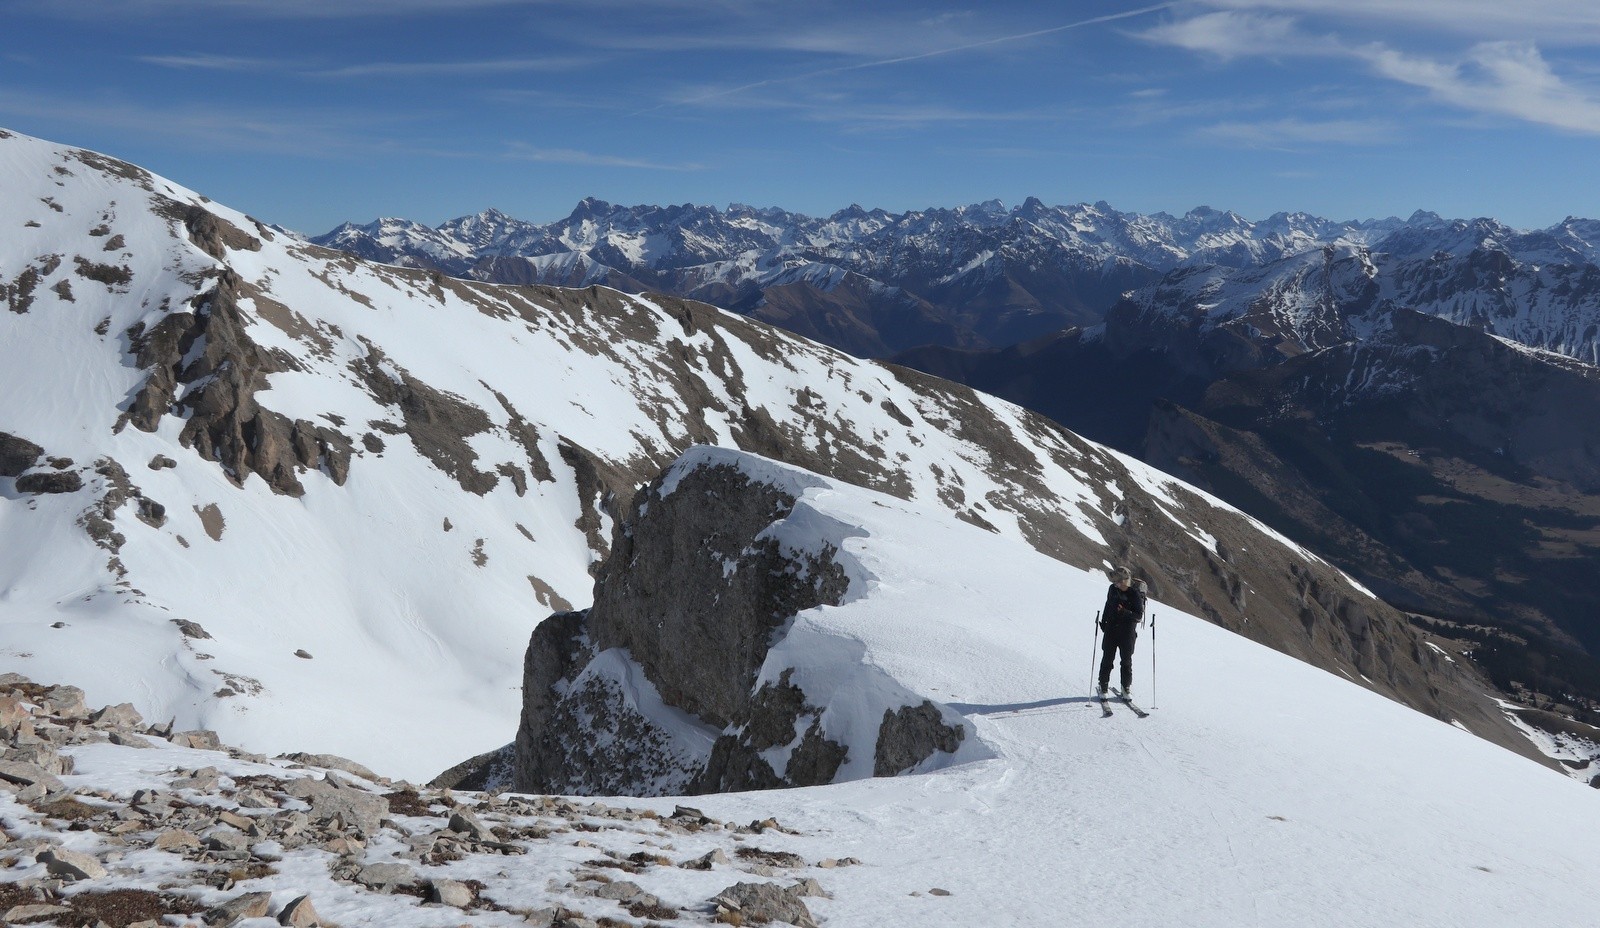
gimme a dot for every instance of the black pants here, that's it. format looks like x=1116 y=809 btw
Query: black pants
x=1118 y=640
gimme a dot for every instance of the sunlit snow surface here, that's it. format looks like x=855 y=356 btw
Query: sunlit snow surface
x=1260 y=790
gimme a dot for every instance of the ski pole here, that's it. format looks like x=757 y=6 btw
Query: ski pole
x=1092 y=642
x=1152 y=660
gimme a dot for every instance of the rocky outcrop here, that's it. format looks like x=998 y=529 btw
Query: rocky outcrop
x=697 y=590
x=204 y=366
x=17 y=455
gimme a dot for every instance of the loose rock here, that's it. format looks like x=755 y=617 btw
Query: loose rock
x=71 y=865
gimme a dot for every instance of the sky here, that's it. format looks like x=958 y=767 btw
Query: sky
x=307 y=113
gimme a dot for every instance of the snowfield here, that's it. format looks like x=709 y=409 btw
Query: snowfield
x=1259 y=790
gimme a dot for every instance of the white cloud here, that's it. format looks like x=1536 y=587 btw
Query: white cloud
x=1293 y=132
x=1503 y=78
x=453 y=68
x=204 y=62
x=1550 y=21
x=1229 y=35
x=522 y=151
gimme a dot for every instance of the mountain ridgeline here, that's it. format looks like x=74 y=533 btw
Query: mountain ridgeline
x=1358 y=385
x=246 y=478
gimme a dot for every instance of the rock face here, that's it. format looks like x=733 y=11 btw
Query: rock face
x=698 y=588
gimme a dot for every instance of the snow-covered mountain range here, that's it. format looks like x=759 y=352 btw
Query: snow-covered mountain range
x=250 y=482
x=875 y=283
x=1420 y=419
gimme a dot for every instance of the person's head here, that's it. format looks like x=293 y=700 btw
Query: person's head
x=1122 y=577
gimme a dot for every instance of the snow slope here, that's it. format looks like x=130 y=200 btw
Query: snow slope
x=308 y=601
x=1260 y=790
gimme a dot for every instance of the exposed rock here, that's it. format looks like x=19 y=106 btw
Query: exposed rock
x=699 y=632
x=71 y=865
x=123 y=715
x=223 y=421
x=191 y=629
x=14 y=774
x=160 y=461
x=757 y=903
x=450 y=892
x=334 y=762
x=464 y=822
x=201 y=739
x=299 y=914
x=13 y=712
x=175 y=840
x=18 y=914
x=17 y=455
x=359 y=811
x=239 y=908
x=489 y=770
x=45 y=482
x=386 y=877
x=706 y=861
x=910 y=736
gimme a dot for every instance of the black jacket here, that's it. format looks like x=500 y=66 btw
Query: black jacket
x=1124 y=609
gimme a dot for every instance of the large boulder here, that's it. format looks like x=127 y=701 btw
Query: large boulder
x=665 y=684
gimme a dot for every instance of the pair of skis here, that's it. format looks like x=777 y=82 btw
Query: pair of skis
x=1105 y=705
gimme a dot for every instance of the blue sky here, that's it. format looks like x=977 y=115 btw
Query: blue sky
x=309 y=112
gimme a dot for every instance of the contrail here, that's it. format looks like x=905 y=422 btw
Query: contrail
x=1110 y=17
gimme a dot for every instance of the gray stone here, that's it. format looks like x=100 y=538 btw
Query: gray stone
x=226 y=839
x=359 y=811
x=130 y=740
x=385 y=877
x=123 y=716
x=22 y=913
x=699 y=631
x=763 y=902
x=175 y=840
x=71 y=865
x=43 y=756
x=13 y=712
x=909 y=736
x=23 y=774
x=239 y=908
x=464 y=822
x=620 y=891
x=706 y=861
x=66 y=702
x=299 y=914
x=43 y=482
x=17 y=455
x=450 y=892
x=201 y=740
x=334 y=762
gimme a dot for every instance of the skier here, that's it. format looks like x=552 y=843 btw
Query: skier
x=1120 y=622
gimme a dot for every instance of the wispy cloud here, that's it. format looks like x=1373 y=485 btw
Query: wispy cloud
x=204 y=62
x=273 y=9
x=389 y=69
x=1229 y=35
x=453 y=68
x=883 y=62
x=1292 y=132
x=231 y=128
x=1508 y=78
x=1503 y=78
x=522 y=151
x=1553 y=21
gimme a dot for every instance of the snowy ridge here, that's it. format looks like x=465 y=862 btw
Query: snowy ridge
x=1324 y=807
x=432 y=469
